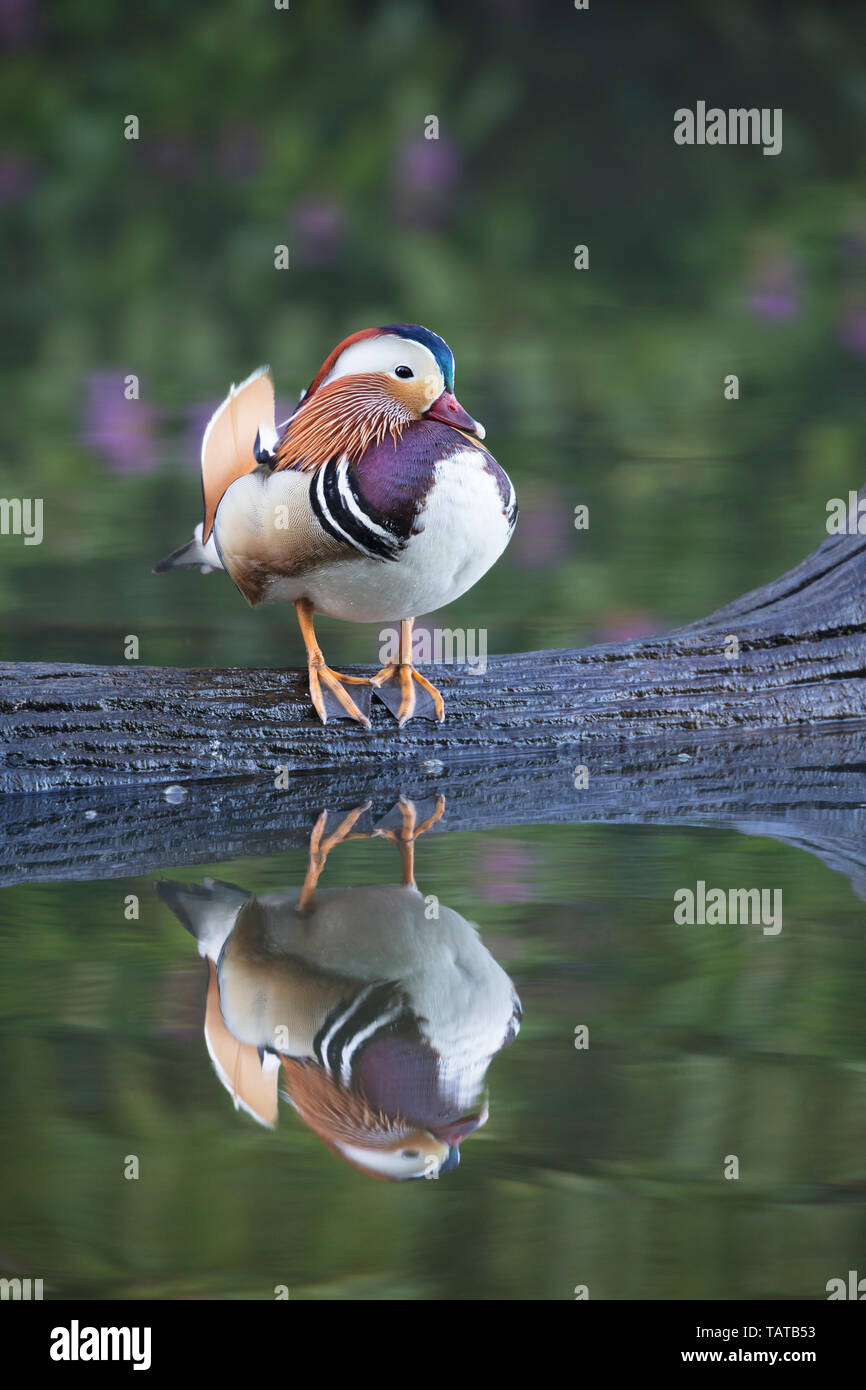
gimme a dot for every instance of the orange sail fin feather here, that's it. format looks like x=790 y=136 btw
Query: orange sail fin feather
x=229 y=440
x=252 y=1086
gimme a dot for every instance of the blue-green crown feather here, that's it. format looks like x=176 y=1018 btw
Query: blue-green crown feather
x=438 y=346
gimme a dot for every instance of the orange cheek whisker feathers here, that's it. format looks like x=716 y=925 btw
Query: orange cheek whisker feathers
x=335 y=1113
x=344 y=417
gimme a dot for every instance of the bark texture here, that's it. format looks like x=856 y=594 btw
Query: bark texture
x=670 y=729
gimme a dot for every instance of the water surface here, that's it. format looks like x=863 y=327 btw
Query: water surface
x=602 y=1166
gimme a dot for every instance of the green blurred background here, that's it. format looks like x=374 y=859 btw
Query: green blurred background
x=305 y=127
x=260 y=127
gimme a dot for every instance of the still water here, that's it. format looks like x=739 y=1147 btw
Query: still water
x=595 y=1121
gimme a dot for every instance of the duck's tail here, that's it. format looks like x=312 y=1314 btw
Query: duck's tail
x=192 y=555
x=208 y=910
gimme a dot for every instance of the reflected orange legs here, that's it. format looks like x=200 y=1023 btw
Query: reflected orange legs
x=405 y=837
x=320 y=849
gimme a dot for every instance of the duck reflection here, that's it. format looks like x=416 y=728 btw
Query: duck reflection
x=380 y=1008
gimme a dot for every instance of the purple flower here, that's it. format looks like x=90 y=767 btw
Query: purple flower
x=506 y=872
x=851 y=329
x=172 y=157
x=317 y=230
x=774 y=291
x=19 y=22
x=16 y=178
x=545 y=533
x=117 y=429
x=426 y=172
x=238 y=154
x=626 y=624
x=853 y=240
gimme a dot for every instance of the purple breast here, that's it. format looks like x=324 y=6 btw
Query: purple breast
x=399 y=1073
x=394 y=478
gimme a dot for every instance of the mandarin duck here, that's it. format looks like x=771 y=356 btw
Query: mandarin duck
x=380 y=1019
x=374 y=502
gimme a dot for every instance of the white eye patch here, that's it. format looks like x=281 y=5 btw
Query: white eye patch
x=385 y=354
x=390 y=1164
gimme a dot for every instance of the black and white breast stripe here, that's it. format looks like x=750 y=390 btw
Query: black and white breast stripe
x=349 y=1026
x=344 y=513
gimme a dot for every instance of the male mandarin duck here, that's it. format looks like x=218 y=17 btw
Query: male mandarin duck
x=375 y=501
x=380 y=1019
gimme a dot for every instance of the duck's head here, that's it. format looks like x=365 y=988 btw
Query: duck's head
x=375 y=382
x=412 y=365
x=416 y=1154
x=381 y=1145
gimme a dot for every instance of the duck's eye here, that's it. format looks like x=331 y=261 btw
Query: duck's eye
x=404 y=372
x=410 y=1153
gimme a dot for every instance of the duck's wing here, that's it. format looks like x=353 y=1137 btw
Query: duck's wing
x=241 y=434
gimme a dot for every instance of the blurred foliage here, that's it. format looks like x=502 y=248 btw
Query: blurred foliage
x=306 y=127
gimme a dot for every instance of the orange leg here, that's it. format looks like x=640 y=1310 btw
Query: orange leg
x=405 y=837
x=403 y=689
x=326 y=686
x=320 y=849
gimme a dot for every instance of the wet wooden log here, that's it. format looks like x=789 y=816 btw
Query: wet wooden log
x=676 y=729
x=807 y=789
x=789 y=655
